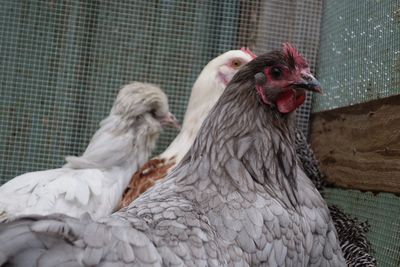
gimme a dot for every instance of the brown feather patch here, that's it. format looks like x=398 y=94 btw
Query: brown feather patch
x=145 y=178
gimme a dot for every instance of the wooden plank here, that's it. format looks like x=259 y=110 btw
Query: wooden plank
x=359 y=146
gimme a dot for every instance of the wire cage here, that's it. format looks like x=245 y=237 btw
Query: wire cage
x=62 y=63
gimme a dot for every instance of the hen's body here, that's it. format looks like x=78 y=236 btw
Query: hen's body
x=199 y=218
x=237 y=198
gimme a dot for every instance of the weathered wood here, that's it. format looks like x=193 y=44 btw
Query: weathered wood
x=359 y=146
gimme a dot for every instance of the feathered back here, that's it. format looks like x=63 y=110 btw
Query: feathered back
x=132 y=117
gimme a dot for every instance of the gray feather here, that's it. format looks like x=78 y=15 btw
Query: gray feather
x=351 y=233
x=175 y=222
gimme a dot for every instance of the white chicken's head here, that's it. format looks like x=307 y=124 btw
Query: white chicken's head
x=207 y=89
x=229 y=63
x=213 y=80
x=144 y=102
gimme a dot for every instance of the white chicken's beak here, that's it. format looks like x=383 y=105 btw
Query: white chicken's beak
x=170 y=120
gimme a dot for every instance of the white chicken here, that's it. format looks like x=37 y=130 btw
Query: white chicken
x=94 y=182
x=207 y=89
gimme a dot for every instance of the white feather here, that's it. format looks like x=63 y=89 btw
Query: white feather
x=95 y=181
x=207 y=89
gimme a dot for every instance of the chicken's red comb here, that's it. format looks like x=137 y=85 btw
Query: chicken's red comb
x=291 y=52
x=248 y=51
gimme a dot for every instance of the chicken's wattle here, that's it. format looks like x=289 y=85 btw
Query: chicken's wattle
x=290 y=100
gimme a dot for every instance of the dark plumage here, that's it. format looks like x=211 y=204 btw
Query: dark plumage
x=353 y=239
x=308 y=161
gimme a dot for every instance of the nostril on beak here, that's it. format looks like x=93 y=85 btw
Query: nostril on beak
x=307 y=78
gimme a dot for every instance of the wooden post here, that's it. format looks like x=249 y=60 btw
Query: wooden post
x=359 y=146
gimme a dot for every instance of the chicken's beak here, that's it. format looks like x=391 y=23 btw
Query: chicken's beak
x=308 y=82
x=170 y=120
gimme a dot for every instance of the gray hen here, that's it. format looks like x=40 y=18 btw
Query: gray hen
x=352 y=234
x=237 y=198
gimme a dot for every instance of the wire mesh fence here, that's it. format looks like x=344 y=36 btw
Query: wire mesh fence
x=62 y=62
x=360 y=52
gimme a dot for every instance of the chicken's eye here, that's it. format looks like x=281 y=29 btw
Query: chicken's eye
x=276 y=72
x=153 y=113
x=236 y=63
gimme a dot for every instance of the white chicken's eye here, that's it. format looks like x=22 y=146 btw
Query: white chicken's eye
x=276 y=72
x=236 y=63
